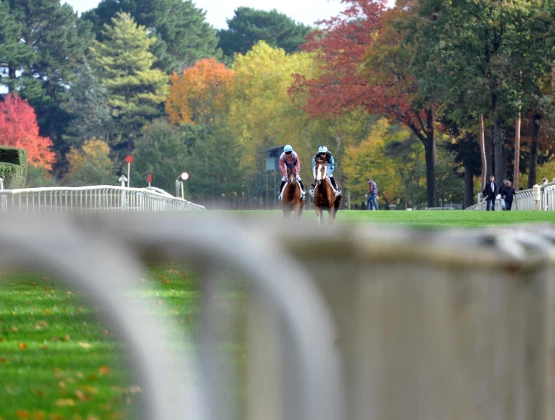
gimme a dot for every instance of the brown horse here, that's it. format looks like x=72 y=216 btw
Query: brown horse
x=291 y=195
x=324 y=197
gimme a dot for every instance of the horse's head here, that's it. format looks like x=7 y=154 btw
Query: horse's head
x=291 y=176
x=320 y=170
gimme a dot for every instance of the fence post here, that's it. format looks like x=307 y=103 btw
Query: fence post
x=1 y=183
x=536 y=196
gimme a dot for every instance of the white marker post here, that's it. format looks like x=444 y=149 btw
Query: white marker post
x=184 y=176
x=129 y=159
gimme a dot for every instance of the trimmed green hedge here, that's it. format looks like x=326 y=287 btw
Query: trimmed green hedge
x=13 y=167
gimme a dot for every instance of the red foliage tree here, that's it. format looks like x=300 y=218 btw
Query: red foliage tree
x=19 y=128
x=363 y=64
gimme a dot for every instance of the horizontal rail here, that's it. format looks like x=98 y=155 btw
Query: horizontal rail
x=102 y=198
x=524 y=200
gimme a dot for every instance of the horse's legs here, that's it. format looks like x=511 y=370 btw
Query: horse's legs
x=319 y=214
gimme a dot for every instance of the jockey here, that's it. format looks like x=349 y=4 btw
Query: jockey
x=324 y=153
x=290 y=159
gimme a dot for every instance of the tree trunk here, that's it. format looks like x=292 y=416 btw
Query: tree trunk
x=536 y=127
x=468 y=188
x=517 y=152
x=430 y=150
x=499 y=170
x=483 y=154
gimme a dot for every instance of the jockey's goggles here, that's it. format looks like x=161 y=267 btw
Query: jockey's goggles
x=288 y=153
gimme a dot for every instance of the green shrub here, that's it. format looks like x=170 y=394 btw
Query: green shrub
x=13 y=167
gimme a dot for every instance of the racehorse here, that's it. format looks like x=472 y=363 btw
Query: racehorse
x=324 y=197
x=291 y=195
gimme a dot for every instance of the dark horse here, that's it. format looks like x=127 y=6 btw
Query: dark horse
x=291 y=195
x=324 y=197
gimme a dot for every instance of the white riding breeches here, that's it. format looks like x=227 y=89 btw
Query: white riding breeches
x=284 y=178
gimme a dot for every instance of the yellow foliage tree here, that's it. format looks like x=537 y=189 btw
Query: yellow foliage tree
x=264 y=114
x=200 y=94
x=369 y=159
x=90 y=165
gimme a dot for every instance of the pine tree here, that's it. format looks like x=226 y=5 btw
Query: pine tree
x=183 y=35
x=124 y=63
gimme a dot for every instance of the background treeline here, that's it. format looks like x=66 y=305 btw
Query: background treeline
x=428 y=97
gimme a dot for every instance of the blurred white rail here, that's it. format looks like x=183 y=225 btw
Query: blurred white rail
x=524 y=200
x=350 y=322
x=90 y=199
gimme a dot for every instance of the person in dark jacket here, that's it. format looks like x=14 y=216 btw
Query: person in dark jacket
x=507 y=193
x=490 y=192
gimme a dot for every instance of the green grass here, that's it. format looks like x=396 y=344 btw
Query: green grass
x=58 y=361
x=419 y=218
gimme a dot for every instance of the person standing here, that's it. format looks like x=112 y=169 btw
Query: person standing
x=508 y=194
x=372 y=195
x=490 y=193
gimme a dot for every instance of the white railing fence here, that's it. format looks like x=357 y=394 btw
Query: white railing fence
x=351 y=322
x=524 y=200
x=91 y=199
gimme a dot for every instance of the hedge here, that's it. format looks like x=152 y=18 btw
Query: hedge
x=13 y=167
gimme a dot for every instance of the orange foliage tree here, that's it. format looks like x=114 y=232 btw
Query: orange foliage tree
x=199 y=95
x=19 y=128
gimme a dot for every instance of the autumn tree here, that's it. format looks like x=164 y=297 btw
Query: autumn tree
x=200 y=94
x=19 y=128
x=90 y=165
x=248 y=26
x=364 y=66
x=124 y=64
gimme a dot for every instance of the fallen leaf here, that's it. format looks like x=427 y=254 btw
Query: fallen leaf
x=66 y=338
x=65 y=402
x=106 y=332
x=22 y=346
x=62 y=384
x=14 y=329
x=47 y=311
x=1 y=339
x=84 y=345
x=3 y=360
x=104 y=370
x=166 y=282
x=43 y=346
x=80 y=394
x=90 y=389
x=23 y=414
x=159 y=303
x=79 y=375
x=39 y=415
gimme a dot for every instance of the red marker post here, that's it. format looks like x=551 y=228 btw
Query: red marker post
x=149 y=179
x=129 y=159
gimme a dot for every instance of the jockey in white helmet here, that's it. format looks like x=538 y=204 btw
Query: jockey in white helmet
x=290 y=159
x=324 y=153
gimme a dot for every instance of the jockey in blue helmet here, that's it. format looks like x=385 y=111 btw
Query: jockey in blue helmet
x=324 y=153
x=290 y=159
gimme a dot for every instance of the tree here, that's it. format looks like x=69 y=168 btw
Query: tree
x=14 y=54
x=364 y=66
x=487 y=56
x=90 y=165
x=19 y=128
x=162 y=151
x=88 y=107
x=124 y=63
x=248 y=26
x=180 y=29
x=215 y=168
x=200 y=94
x=58 y=41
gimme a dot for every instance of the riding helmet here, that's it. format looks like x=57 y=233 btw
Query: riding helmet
x=287 y=148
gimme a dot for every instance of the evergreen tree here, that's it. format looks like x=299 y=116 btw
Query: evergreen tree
x=160 y=151
x=136 y=90
x=250 y=26
x=182 y=33
x=88 y=107
x=58 y=41
x=14 y=54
